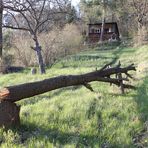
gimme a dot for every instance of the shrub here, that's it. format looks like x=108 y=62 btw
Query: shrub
x=141 y=37
x=59 y=43
x=22 y=52
x=55 y=45
x=71 y=38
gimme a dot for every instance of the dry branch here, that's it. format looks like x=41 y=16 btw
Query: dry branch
x=19 y=92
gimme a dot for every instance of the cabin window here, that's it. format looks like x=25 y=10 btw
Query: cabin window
x=95 y=30
x=110 y=29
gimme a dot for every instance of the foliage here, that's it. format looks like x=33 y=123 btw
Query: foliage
x=7 y=59
x=21 y=50
x=90 y=11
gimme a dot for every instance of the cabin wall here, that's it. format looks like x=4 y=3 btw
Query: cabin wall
x=95 y=37
x=94 y=32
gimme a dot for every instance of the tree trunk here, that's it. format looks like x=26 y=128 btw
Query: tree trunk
x=103 y=21
x=39 y=56
x=40 y=60
x=19 y=92
x=102 y=30
x=9 y=114
x=1 y=21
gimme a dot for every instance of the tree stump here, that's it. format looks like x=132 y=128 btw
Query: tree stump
x=33 y=71
x=121 y=83
x=9 y=114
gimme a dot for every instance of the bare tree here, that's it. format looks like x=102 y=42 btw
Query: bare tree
x=33 y=16
x=104 y=2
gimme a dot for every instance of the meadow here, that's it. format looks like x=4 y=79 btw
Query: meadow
x=75 y=117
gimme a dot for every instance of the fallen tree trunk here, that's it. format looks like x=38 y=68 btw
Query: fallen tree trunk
x=19 y=92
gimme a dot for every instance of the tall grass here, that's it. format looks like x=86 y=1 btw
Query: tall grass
x=74 y=117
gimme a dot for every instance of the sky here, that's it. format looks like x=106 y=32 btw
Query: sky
x=75 y=2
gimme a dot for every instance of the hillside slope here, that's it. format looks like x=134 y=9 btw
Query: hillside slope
x=74 y=116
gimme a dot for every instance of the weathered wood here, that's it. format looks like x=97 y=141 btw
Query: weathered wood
x=9 y=114
x=19 y=92
x=121 y=83
x=1 y=22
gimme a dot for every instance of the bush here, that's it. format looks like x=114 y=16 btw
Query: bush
x=141 y=38
x=59 y=43
x=7 y=58
x=51 y=48
x=55 y=45
x=71 y=38
x=5 y=62
x=23 y=54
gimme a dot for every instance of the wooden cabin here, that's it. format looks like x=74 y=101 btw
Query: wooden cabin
x=111 y=32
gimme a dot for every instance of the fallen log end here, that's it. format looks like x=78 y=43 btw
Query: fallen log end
x=4 y=93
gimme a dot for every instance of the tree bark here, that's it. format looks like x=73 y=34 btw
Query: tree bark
x=19 y=92
x=103 y=21
x=1 y=22
x=102 y=30
x=9 y=114
x=39 y=55
x=40 y=60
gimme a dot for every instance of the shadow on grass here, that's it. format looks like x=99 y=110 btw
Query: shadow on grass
x=89 y=60
x=142 y=105
x=118 y=52
x=59 y=138
x=54 y=136
x=142 y=100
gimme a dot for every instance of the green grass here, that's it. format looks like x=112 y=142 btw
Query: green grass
x=75 y=117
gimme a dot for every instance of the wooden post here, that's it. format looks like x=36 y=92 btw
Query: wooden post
x=121 y=83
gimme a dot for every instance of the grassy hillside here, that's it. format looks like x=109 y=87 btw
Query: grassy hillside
x=74 y=117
